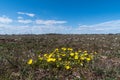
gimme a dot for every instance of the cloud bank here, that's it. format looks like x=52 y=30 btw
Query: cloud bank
x=5 y=20
x=28 y=14
x=25 y=21
x=49 y=22
x=105 y=27
x=24 y=25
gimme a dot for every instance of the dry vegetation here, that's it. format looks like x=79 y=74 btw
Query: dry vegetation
x=15 y=51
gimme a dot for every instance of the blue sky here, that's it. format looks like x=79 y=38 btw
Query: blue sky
x=59 y=16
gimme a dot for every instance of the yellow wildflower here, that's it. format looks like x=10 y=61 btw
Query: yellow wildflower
x=67 y=62
x=85 y=51
x=45 y=55
x=56 y=49
x=95 y=52
x=76 y=53
x=76 y=57
x=63 y=54
x=64 y=49
x=59 y=59
x=50 y=55
x=67 y=67
x=71 y=54
x=51 y=60
x=85 y=54
x=70 y=49
x=40 y=58
x=88 y=59
x=82 y=58
x=79 y=51
x=30 y=61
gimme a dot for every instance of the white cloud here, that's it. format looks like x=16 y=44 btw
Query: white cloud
x=49 y=22
x=54 y=26
x=28 y=14
x=5 y=20
x=10 y=29
x=51 y=29
x=35 y=29
x=31 y=15
x=25 y=21
x=19 y=17
x=105 y=27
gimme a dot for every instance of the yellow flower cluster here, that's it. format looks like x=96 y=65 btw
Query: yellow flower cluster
x=30 y=61
x=66 y=58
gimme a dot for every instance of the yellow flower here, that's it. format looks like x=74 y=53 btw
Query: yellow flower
x=63 y=54
x=40 y=58
x=88 y=59
x=95 y=52
x=30 y=61
x=82 y=58
x=71 y=54
x=70 y=49
x=45 y=55
x=67 y=67
x=67 y=62
x=85 y=51
x=64 y=49
x=76 y=53
x=51 y=60
x=85 y=54
x=50 y=55
x=59 y=59
x=76 y=57
x=58 y=55
x=56 y=49
x=79 y=51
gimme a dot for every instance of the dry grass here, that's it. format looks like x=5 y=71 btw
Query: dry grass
x=16 y=50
